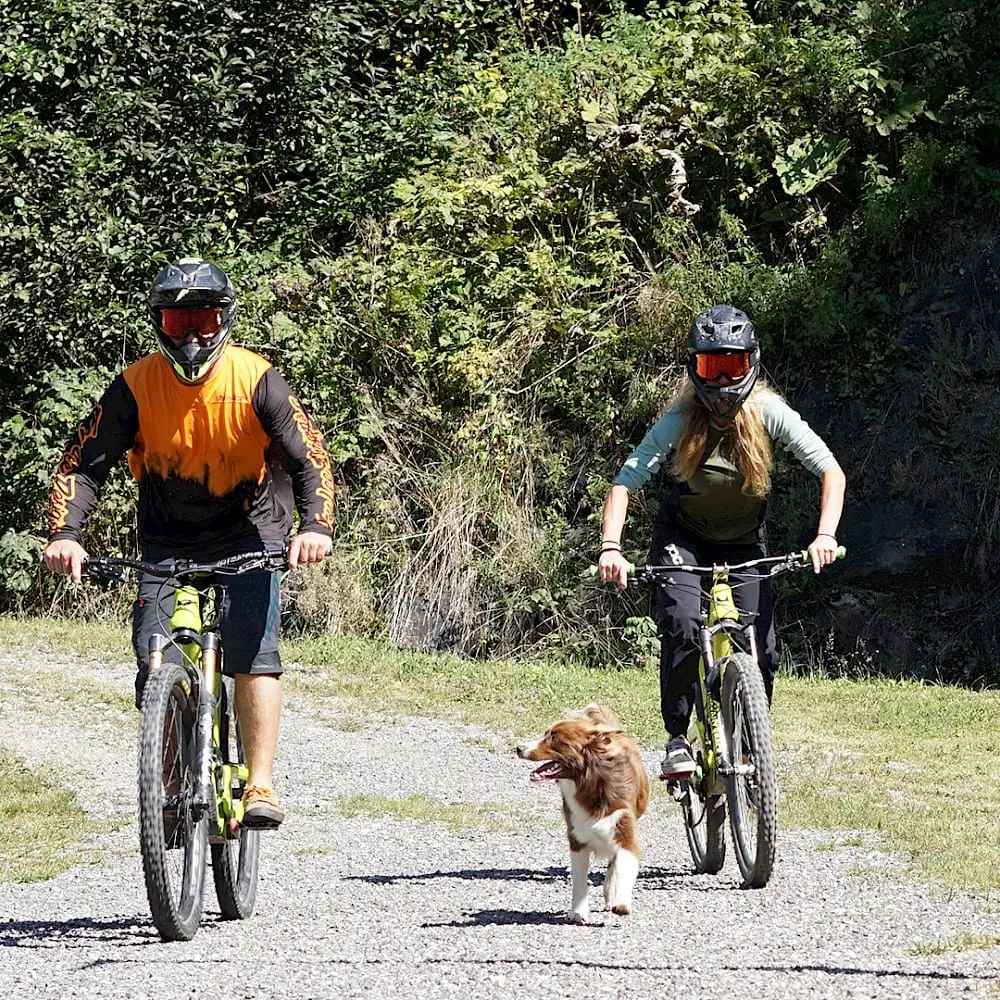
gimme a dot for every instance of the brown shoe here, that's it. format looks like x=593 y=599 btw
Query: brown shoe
x=261 y=808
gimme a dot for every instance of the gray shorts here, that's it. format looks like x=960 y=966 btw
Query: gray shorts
x=249 y=621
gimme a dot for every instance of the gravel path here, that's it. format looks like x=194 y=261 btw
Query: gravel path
x=377 y=907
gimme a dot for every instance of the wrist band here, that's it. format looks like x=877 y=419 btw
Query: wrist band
x=825 y=534
x=609 y=548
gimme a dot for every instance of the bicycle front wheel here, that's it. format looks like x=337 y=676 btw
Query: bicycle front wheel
x=751 y=786
x=235 y=862
x=174 y=843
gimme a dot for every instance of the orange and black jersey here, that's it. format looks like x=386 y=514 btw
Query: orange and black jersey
x=217 y=464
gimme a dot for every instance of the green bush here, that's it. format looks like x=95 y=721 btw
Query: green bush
x=472 y=236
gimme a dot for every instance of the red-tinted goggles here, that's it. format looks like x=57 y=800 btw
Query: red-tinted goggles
x=713 y=366
x=203 y=322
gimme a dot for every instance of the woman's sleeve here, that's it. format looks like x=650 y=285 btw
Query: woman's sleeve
x=787 y=429
x=654 y=449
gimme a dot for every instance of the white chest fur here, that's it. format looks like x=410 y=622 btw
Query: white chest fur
x=597 y=834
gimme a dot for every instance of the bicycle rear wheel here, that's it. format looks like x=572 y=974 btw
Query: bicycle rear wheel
x=752 y=788
x=236 y=861
x=704 y=822
x=173 y=843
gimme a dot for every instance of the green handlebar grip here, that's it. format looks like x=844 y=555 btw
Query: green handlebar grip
x=841 y=553
x=592 y=571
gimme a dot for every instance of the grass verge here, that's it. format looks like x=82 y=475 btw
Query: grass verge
x=909 y=763
x=39 y=824
x=961 y=942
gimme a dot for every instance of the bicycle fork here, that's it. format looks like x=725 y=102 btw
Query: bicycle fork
x=203 y=796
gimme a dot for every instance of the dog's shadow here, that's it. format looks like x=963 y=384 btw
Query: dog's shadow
x=486 y=918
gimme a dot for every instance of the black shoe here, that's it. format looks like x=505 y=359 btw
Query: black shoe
x=678 y=762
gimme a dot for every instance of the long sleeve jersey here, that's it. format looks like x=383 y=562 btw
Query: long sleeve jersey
x=218 y=464
x=712 y=503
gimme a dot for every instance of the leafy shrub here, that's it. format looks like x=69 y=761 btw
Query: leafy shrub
x=472 y=236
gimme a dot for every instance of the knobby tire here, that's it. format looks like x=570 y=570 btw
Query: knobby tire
x=236 y=861
x=753 y=798
x=704 y=824
x=169 y=837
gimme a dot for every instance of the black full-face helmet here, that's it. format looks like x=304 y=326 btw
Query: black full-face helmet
x=723 y=342
x=191 y=297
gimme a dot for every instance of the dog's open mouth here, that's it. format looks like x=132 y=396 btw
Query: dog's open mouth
x=548 y=771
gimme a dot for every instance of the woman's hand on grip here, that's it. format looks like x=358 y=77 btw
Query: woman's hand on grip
x=822 y=551
x=614 y=567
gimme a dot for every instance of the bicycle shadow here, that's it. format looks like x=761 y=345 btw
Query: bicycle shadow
x=654 y=879
x=918 y=977
x=544 y=875
x=672 y=879
x=76 y=932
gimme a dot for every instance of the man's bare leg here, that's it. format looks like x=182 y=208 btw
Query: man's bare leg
x=258 y=705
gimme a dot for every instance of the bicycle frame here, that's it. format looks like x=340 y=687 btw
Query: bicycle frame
x=200 y=651
x=720 y=621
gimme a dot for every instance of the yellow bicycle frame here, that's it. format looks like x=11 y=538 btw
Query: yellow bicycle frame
x=721 y=605
x=187 y=615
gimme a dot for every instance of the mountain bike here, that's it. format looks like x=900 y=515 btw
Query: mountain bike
x=730 y=730
x=192 y=769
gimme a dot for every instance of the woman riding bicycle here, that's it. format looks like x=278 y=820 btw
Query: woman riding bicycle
x=717 y=438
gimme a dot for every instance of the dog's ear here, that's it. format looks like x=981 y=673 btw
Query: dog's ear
x=600 y=715
x=602 y=736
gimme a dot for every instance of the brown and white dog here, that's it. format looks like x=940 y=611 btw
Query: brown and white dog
x=605 y=789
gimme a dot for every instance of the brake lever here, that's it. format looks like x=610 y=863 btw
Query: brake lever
x=103 y=576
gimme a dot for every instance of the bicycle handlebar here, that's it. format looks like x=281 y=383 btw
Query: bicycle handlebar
x=113 y=567
x=778 y=564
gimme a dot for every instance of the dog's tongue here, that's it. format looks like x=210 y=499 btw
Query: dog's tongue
x=550 y=769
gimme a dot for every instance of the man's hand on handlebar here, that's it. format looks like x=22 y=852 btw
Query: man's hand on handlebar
x=308 y=547
x=65 y=555
x=613 y=566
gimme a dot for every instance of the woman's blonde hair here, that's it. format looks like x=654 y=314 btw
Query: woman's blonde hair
x=748 y=441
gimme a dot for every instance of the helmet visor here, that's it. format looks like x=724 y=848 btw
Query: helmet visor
x=203 y=322
x=714 y=365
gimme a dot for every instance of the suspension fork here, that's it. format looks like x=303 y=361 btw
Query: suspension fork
x=204 y=791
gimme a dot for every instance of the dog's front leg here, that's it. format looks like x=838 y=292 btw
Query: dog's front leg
x=579 y=859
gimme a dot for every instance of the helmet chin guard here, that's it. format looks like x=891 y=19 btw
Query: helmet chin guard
x=192 y=362
x=723 y=329
x=192 y=283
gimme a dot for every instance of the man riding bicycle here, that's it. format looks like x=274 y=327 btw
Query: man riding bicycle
x=221 y=449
